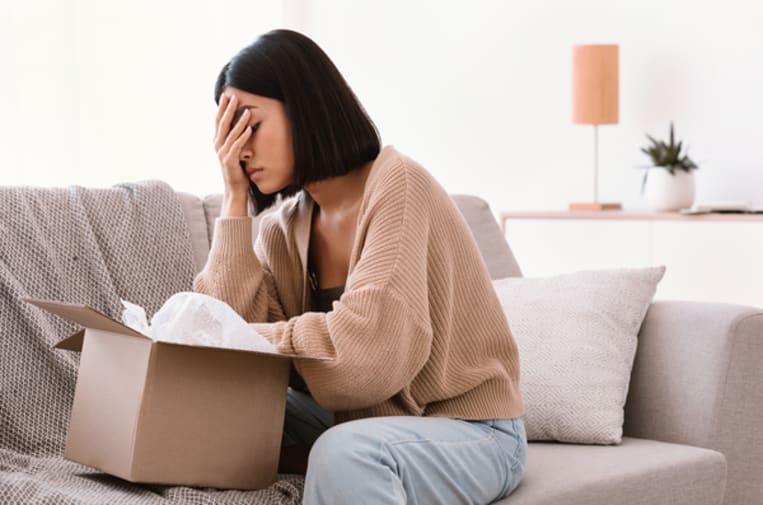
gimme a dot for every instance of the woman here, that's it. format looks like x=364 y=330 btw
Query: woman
x=371 y=264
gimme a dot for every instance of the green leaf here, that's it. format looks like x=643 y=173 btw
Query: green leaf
x=671 y=133
x=668 y=155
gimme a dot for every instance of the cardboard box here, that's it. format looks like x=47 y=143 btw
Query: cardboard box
x=167 y=413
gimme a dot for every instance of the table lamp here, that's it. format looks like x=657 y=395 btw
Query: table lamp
x=595 y=86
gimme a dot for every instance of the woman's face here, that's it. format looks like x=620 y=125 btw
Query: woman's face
x=268 y=155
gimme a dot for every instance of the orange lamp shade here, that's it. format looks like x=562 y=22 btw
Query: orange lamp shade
x=595 y=84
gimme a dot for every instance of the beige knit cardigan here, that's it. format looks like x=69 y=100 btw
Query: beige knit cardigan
x=419 y=329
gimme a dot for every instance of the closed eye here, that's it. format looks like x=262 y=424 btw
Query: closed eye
x=255 y=127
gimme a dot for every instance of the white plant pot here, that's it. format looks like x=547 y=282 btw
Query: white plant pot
x=667 y=193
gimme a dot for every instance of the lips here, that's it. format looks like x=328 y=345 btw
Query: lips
x=251 y=171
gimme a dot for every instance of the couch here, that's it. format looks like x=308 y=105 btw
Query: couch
x=691 y=433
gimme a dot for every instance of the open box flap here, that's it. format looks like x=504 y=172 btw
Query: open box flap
x=88 y=317
x=251 y=351
x=84 y=315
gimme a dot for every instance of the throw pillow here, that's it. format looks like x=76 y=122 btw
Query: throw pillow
x=577 y=336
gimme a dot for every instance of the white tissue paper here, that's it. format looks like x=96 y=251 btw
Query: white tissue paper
x=196 y=319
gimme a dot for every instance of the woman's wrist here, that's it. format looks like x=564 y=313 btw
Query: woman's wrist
x=235 y=205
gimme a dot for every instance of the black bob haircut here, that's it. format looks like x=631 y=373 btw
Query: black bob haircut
x=331 y=132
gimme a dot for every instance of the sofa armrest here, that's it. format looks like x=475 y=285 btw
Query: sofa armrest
x=698 y=380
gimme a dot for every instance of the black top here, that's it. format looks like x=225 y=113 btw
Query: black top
x=321 y=300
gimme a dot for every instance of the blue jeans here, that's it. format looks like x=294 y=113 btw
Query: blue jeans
x=405 y=460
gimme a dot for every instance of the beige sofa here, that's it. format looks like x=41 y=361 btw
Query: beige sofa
x=692 y=432
x=695 y=401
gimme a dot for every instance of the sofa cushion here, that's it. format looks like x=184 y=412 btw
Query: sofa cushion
x=212 y=206
x=633 y=473
x=495 y=251
x=196 y=220
x=577 y=336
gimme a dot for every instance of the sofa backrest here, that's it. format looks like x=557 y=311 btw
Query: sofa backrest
x=201 y=214
x=193 y=206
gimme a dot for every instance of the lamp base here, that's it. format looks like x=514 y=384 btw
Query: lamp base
x=595 y=206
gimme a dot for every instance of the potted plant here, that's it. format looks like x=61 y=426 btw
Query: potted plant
x=671 y=186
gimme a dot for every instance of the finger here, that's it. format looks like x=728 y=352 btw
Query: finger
x=234 y=153
x=221 y=108
x=240 y=141
x=238 y=128
x=223 y=127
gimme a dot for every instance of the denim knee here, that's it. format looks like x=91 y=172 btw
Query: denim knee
x=342 y=449
x=340 y=465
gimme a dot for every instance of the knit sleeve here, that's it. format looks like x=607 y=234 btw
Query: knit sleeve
x=236 y=275
x=378 y=334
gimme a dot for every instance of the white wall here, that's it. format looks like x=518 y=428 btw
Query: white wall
x=96 y=92
x=480 y=91
x=99 y=92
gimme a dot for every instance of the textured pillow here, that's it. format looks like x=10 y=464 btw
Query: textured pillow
x=577 y=336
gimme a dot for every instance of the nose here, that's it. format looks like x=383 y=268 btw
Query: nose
x=246 y=151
